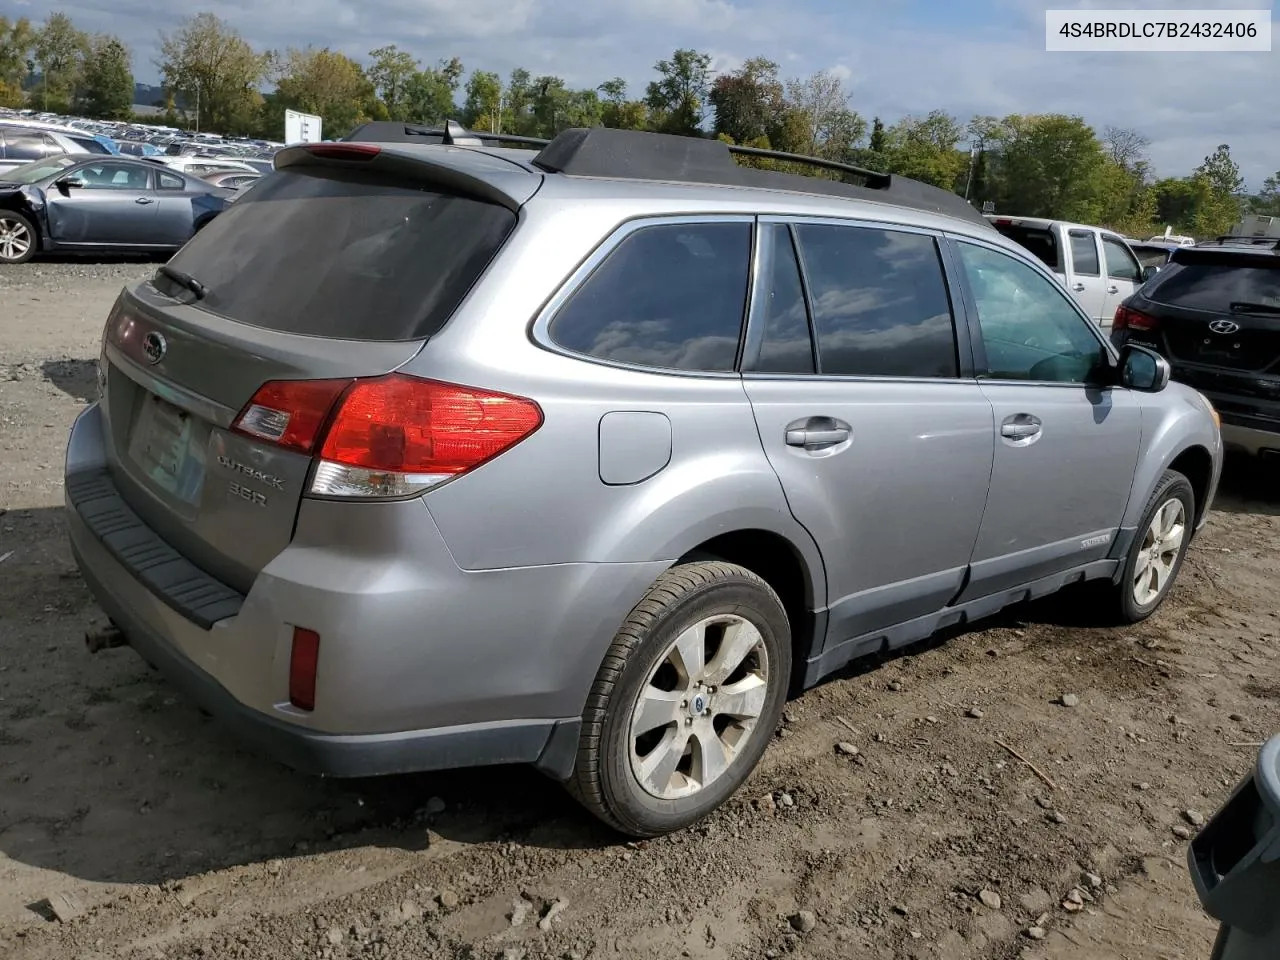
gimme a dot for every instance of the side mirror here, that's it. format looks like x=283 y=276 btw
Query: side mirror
x=1143 y=369
x=1149 y=271
x=67 y=182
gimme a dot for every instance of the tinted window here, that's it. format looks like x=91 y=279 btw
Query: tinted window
x=880 y=304
x=1030 y=330
x=785 y=345
x=1084 y=253
x=1215 y=286
x=671 y=295
x=1120 y=262
x=1039 y=241
x=168 y=181
x=338 y=256
x=91 y=145
x=25 y=146
x=112 y=176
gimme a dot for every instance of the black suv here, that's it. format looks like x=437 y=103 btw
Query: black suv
x=1214 y=312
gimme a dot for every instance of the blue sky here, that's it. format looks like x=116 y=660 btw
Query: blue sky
x=898 y=56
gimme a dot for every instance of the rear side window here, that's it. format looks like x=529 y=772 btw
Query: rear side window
x=1039 y=241
x=1084 y=253
x=167 y=181
x=345 y=257
x=880 y=302
x=1216 y=286
x=669 y=295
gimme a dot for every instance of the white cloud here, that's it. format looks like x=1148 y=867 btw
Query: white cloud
x=990 y=61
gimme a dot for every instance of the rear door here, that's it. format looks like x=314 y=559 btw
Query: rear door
x=1084 y=273
x=112 y=202
x=1065 y=448
x=881 y=437
x=1124 y=276
x=175 y=222
x=321 y=272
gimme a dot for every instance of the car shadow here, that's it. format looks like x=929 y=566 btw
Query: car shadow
x=1249 y=485
x=76 y=378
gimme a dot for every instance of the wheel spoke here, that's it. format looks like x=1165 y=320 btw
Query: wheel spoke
x=661 y=762
x=689 y=655
x=710 y=759
x=740 y=638
x=657 y=708
x=743 y=700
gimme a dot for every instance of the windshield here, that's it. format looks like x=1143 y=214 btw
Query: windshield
x=37 y=170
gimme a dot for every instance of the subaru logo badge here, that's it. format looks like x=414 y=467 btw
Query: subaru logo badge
x=1224 y=326
x=154 y=346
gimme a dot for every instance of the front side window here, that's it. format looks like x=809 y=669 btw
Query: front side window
x=879 y=300
x=112 y=176
x=1030 y=329
x=1121 y=264
x=669 y=295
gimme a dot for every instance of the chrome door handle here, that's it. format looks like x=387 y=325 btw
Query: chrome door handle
x=1078 y=287
x=1113 y=289
x=144 y=200
x=815 y=438
x=1020 y=426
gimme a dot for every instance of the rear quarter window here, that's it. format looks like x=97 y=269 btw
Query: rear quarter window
x=1215 y=286
x=345 y=257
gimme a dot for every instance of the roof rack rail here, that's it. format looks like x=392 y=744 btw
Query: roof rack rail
x=1240 y=239
x=452 y=133
x=610 y=153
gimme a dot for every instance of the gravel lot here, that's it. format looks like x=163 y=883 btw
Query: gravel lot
x=932 y=841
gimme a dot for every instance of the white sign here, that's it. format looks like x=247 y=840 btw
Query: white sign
x=1157 y=31
x=301 y=127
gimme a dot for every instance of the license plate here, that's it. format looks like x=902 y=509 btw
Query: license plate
x=166 y=445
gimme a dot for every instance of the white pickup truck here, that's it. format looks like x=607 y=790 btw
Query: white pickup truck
x=1095 y=265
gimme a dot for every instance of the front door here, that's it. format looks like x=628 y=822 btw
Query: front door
x=110 y=202
x=1124 y=275
x=1065 y=447
x=1084 y=273
x=882 y=446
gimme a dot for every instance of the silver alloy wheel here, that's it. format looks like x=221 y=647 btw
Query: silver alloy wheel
x=1159 y=551
x=15 y=238
x=698 y=706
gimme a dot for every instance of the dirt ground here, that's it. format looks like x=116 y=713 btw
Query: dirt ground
x=170 y=840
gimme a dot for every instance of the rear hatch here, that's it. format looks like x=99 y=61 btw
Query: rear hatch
x=338 y=266
x=1219 y=307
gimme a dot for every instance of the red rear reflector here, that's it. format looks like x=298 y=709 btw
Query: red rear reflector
x=401 y=424
x=290 y=413
x=1129 y=319
x=303 y=660
x=344 y=151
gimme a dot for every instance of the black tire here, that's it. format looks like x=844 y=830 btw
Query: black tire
x=13 y=219
x=1124 y=606
x=603 y=780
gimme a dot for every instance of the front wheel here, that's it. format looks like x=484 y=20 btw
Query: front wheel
x=1156 y=554
x=17 y=238
x=685 y=701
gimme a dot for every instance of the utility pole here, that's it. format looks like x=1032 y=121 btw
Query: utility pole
x=197 y=83
x=975 y=148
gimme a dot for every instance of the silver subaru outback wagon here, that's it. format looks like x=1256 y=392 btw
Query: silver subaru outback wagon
x=436 y=452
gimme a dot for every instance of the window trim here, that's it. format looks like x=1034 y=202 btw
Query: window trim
x=539 y=328
x=1098 y=255
x=960 y=326
x=975 y=330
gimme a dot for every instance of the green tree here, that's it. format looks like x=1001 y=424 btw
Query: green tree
x=59 y=51
x=819 y=120
x=16 y=40
x=1267 y=201
x=925 y=149
x=431 y=92
x=616 y=110
x=328 y=84
x=1050 y=165
x=678 y=98
x=391 y=73
x=208 y=62
x=106 y=89
x=1222 y=172
x=750 y=103
x=482 y=108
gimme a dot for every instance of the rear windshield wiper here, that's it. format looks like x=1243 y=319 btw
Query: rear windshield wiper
x=184 y=280
x=1244 y=306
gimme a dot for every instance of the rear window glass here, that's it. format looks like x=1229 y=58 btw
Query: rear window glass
x=336 y=256
x=1039 y=242
x=1215 y=286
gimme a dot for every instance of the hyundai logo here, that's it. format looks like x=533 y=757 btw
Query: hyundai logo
x=1224 y=326
x=154 y=346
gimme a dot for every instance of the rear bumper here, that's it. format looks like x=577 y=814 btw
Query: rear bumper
x=422 y=665
x=1250 y=440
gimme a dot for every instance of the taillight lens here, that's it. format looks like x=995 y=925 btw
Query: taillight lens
x=290 y=413
x=1129 y=319
x=398 y=435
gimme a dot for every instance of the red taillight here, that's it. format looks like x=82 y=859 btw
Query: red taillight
x=290 y=413
x=1127 y=318
x=343 y=151
x=304 y=657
